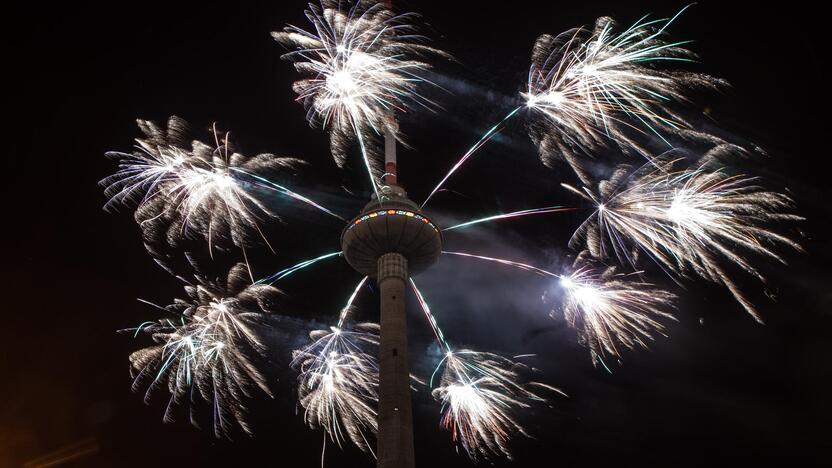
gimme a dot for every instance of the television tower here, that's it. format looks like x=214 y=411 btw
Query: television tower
x=390 y=241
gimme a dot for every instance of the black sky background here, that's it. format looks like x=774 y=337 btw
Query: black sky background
x=721 y=389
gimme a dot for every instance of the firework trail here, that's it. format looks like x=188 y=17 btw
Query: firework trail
x=598 y=87
x=437 y=332
x=520 y=265
x=338 y=380
x=485 y=138
x=265 y=183
x=604 y=308
x=480 y=395
x=208 y=351
x=297 y=267
x=609 y=309
x=692 y=220
x=180 y=191
x=512 y=215
x=363 y=64
x=342 y=317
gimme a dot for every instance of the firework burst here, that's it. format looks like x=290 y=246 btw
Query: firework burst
x=338 y=379
x=481 y=394
x=611 y=310
x=363 y=64
x=338 y=382
x=606 y=309
x=208 y=352
x=210 y=191
x=689 y=221
x=596 y=87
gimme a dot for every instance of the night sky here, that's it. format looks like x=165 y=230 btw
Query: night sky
x=721 y=388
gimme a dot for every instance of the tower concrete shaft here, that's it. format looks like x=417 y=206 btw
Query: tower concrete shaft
x=391 y=240
x=395 y=416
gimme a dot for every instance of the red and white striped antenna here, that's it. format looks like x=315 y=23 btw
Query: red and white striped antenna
x=390 y=130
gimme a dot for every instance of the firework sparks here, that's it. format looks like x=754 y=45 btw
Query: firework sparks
x=209 y=351
x=593 y=87
x=338 y=381
x=609 y=310
x=480 y=395
x=178 y=192
x=690 y=220
x=363 y=63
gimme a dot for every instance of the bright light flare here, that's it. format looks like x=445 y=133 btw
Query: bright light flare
x=609 y=311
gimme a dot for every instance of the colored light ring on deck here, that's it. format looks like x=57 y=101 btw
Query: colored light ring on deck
x=376 y=214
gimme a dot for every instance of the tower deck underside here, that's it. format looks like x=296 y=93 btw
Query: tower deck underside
x=394 y=226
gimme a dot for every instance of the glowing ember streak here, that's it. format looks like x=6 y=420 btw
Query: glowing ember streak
x=300 y=266
x=265 y=183
x=437 y=332
x=515 y=214
x=483 y=140
x=522 y=266
x=346 y=310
